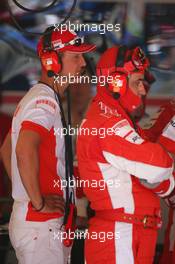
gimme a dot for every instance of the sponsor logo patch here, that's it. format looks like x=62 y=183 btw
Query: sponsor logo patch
x=133 y=137
x=107 y=111
x=124 y=130
x=57 y=43
x=46 y=104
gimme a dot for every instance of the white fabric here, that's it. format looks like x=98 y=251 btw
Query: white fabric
x=123 y=244
x=38 y=242
x=40 y=107
x=139 y=169
x=117 y=181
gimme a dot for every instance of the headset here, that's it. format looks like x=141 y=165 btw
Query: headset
x=119 y=82
x=50 y=58
x=127 y=61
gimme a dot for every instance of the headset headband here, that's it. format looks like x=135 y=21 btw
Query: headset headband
x=47 y=38
x=120 y=59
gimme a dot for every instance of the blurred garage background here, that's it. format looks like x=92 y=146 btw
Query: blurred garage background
x=150 y=24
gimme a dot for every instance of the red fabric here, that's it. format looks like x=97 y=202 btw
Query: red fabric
x=162 y=187
x=113 y=157
x=119 y=147
x=167 y=143
x=47 y=173
x=161 y=120
x=144 y=244
x=107 y=63
x=145 y=153
x=65 y=36
x=32 y=215
x=28 y=125
x=97 y=251
x=106 y=66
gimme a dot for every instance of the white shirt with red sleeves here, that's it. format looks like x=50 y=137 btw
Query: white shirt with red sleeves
x=39 y=111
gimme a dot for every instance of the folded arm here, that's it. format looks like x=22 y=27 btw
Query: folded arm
x=127 y=151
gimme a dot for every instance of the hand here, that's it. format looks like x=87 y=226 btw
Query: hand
x=170 y=199
x=53 y=204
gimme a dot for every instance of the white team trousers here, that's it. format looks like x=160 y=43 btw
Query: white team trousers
x=37 y=242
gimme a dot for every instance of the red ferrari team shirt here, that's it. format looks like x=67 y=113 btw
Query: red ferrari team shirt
x=112 y=152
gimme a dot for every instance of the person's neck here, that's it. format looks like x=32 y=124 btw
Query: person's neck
x=44 y=81
x=60 y=88
x=53 y=84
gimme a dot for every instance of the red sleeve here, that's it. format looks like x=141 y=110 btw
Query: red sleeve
x=158 y=122
x=28 y=125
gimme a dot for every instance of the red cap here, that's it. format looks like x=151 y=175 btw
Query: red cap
x=134 y=60
x=65 y=40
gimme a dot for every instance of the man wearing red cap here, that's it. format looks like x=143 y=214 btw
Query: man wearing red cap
x=134 y=170
x=37 y=154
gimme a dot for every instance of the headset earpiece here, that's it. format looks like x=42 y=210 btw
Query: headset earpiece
x=116 y=75
x=118 y=85
x=50 y=59
x=51 y=62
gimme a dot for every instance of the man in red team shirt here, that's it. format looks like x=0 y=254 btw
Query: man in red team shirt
x=37 y=153
x=135 y=171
